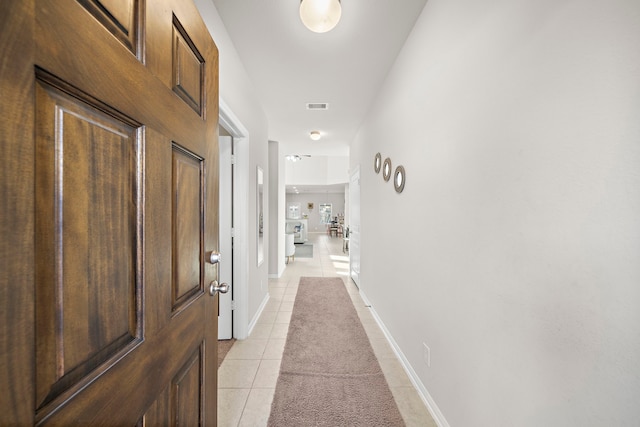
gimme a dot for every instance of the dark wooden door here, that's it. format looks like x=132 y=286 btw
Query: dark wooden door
x=109 y=191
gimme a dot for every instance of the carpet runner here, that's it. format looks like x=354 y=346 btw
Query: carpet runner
x=329 y=374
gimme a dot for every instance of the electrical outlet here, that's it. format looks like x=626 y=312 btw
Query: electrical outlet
x=426 y=355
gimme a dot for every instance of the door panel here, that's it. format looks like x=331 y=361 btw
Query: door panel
x=187 y=226
x=187 y=391
x=115 y=326
x=120 y=17
x=88 y=208
x=158 y=412
x=188 y=67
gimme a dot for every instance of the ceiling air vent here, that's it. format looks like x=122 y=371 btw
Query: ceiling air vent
x=317 y=106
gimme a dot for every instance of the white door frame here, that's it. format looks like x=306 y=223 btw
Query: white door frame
x=225 y=265
x=354 y=225
x=230 y=122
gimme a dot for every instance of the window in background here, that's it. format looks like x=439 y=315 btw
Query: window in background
x=293 y=211
x=325 y=213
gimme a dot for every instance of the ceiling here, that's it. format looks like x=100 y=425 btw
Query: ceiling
x=291 y=66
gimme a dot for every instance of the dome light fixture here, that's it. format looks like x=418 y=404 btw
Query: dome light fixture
x=320 y=16
x=315 y=135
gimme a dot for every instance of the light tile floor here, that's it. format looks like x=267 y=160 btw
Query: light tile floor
x=248 y=375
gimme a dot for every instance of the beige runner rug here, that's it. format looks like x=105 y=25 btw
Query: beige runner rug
x=329 y=375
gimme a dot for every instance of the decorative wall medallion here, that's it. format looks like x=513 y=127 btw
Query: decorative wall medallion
x=377 y=163
x=386 y=169
x=399 y=178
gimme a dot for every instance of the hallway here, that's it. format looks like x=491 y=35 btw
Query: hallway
x=248 y=375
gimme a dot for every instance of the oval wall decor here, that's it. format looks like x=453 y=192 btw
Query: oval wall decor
x=377 y=163
x=386 y=169
x=399 y=179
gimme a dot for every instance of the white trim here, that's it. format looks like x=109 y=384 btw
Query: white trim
x=225 y=265
x=230 y=122
x=433 y=409
x=255 y=319
x=241 y=239
x=355 y=229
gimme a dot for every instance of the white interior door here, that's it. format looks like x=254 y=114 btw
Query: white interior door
x=225 y=314
x=354 y=226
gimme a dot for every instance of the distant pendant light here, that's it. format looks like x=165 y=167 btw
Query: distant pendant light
x=315 y=135
x=320 y=16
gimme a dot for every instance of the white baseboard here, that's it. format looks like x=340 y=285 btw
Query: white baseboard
x=433 y=409
x=255 y=319
x=279 y=274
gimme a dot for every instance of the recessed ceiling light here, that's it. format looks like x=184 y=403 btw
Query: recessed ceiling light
x=317 y=106
x=315 y=135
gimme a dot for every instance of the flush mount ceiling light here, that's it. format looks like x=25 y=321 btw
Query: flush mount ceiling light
x=320 y=16
x=315 y=135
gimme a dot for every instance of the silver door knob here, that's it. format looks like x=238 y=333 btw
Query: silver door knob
x=214 y=257
x=215 y=287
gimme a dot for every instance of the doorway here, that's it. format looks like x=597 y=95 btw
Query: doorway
x=234 y=221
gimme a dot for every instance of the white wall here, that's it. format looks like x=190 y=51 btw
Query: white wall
x=337 y=207
x=318 y=170
x=276 y=210
x=514 y=250
x=238 y=93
